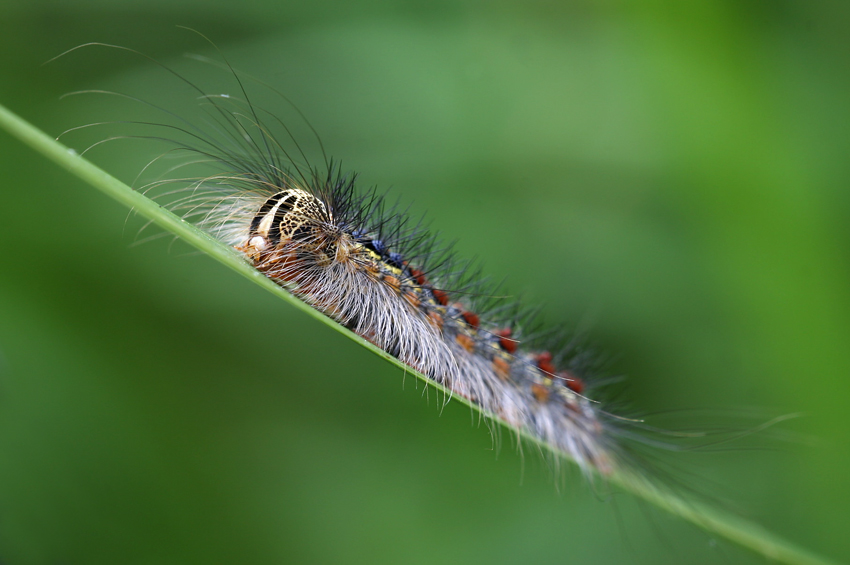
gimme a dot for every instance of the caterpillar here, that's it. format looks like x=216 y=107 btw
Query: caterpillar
x=335 y=249
x=361 y=261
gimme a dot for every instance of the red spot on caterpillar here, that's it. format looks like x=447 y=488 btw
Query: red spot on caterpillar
x=544 y=363
x=540 y=392
x=505 y=340
x=440 y=296
x=472 y=319
x=572 y=382
x=418 y=276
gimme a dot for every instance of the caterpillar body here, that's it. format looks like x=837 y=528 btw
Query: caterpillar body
x=348 y=254
x=321 y=242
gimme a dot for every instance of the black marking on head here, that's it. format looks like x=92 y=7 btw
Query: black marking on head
x=265 y=209
x=292 y=213
x=283 y=209
x=301 y=233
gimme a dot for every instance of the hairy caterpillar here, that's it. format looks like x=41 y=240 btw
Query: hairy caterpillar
x=348 y=254
x=317 y=237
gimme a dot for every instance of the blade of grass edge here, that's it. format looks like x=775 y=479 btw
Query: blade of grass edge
x=713 y=520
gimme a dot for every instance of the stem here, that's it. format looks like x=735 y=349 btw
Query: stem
x=713 y=520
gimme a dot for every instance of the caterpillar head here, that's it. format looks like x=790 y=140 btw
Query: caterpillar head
x=289 y=218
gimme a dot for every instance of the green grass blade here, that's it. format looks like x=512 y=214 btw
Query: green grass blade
x=710 y=519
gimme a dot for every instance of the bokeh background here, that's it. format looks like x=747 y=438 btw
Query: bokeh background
x=672 y=177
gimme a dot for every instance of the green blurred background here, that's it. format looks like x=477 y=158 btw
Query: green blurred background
x=672 y=178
